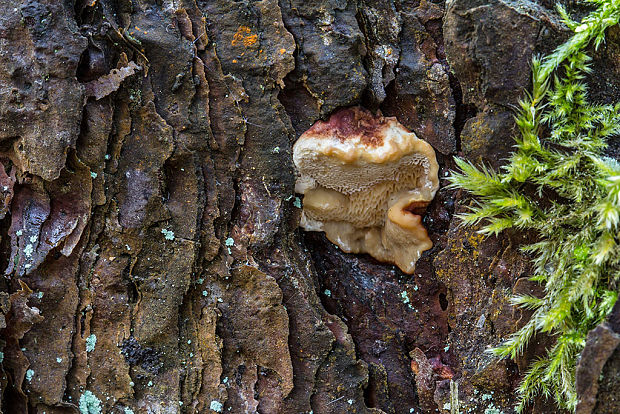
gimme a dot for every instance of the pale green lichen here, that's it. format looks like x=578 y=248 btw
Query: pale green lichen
x=91 y=341
x=28 y=250
x=168 y=234
x=216 y=406
x=29 y=375
x=405 y=297
x=89 y=403
x=229 y=242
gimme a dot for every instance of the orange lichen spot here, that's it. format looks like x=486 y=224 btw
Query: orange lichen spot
x=282 y=51
x=366 y=182
x=244 y=37
x=238 y=37
x=250 y=40
x=234 y=61
x=415 y=367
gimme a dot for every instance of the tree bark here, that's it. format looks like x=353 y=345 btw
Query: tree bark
x=149 y=225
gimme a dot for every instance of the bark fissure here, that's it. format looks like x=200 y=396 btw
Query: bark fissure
x=153 y=213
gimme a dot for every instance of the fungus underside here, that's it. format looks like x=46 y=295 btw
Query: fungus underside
x=366 y=181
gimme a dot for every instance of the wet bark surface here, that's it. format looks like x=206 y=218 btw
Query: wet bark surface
x=149 y=225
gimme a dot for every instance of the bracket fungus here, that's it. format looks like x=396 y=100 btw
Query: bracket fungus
x=366 y=181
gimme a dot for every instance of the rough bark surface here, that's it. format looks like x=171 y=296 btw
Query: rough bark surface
x=148 y=220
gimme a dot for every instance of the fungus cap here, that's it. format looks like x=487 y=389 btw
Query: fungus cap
x=365 y=181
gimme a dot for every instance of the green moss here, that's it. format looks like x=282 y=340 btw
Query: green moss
x=559 y=185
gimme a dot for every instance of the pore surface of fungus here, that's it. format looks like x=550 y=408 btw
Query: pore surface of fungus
x=366 y=180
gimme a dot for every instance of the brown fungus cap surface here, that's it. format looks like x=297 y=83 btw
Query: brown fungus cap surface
x=366 y=180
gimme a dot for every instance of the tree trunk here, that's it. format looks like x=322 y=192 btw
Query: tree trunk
x=150 y=227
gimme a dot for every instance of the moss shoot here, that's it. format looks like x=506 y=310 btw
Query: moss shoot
x=559 y=185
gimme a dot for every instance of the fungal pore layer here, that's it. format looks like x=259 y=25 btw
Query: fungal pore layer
x=366 y=182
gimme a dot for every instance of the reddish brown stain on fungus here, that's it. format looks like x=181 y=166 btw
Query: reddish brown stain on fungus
x=347 y=123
